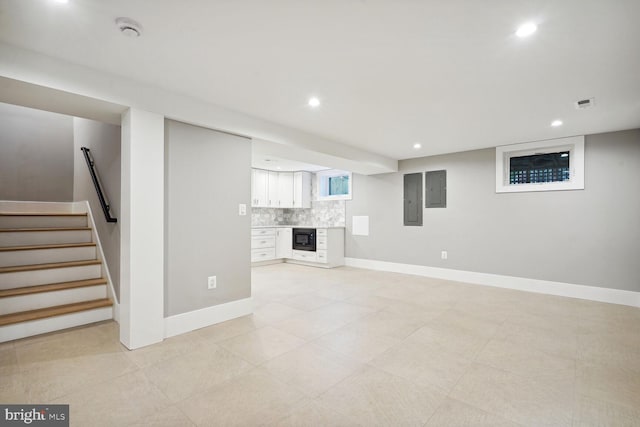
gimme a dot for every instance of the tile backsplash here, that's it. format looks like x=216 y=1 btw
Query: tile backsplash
x=330 y=213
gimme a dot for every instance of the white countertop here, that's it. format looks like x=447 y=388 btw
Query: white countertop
x=294 y=226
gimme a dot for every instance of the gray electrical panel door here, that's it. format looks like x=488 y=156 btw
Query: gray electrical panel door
x=436 y=184
x=413 y=199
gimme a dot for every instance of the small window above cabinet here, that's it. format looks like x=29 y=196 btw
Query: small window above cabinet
x=334 y=185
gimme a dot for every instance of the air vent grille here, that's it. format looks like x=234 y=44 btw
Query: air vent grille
x=585 y=103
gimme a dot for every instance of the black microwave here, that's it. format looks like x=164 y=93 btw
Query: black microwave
x=304 y=239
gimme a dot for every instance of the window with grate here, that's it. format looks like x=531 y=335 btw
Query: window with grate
x=541 y=166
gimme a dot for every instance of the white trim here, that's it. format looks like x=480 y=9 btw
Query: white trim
x=593 y=293
x=574 y=144
x=187 y=322
x=105 y=268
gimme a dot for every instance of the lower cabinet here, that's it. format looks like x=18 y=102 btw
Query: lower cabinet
x=284 y=242
x=263 y=244
x=276 y=243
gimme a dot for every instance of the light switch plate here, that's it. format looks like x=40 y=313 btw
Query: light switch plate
x=242 y=209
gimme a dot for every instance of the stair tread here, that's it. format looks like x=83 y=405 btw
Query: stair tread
x=28 y=290
x=8 y=230
x=52 y=246
x=43 y=214
x=58 y=310
x=32 y=267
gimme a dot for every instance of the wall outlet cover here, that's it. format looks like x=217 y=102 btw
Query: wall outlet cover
x=242 y=209
x=212 y=282
x=444 y=254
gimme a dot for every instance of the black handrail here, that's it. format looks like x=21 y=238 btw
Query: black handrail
x=96 y=183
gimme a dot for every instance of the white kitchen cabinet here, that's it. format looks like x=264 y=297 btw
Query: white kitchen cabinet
x=284 y=242
x=302 y=190
x=259 y=187
x=263 y=244
x=272 y=190
x=285 y=190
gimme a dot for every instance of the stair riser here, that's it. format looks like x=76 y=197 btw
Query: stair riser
x=49 y=299
x=26 y=238
x=46 y=256
x=20 y=279
x=42 y=221
x=50 y=324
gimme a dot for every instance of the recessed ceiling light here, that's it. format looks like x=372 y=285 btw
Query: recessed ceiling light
x=525 y=30
x=417 y=146
x=556 y=123
x=314 y=102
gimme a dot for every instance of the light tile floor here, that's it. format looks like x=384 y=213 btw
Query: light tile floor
x=346 y=347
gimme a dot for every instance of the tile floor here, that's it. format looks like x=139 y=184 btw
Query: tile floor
x=346 y=347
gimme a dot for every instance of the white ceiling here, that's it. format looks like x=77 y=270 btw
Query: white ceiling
x=279 y=164
x=449 y=74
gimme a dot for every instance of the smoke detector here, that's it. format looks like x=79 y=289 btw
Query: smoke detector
x=129 y=27
x=585 y=103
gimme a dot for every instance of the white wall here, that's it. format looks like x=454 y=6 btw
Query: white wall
x=104 y=142
x=36 y=155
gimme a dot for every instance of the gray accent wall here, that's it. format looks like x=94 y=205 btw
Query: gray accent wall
x=586 y=237
x=36 y=155
x=207 y=174
x=104 y=142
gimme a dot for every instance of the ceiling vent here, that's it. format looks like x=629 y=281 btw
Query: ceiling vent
x=129 y=27
x=585 y=103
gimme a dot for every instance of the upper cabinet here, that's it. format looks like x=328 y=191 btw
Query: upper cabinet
x=259 y=187
x=280 y=189
x=302 y=190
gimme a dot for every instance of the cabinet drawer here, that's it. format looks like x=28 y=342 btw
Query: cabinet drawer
x=257 y=232
x=263 y=254
x=321 y=242
x=304 y=256
x=321 y=231
x=263 y=242
x=321 y=256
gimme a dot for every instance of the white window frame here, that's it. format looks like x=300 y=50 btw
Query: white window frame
x=322 y=184
x=574 y=145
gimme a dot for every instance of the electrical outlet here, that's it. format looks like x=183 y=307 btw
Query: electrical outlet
x=242 y=209
x=212 y=282
x=443 y=254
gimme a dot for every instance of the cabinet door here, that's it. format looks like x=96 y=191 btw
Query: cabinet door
x=285 y=189
x=302 y=190
x=284 y=242
x=259 y=186
x=272 y=190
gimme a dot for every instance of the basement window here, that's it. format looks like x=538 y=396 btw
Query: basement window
x=334 y=185
x=551 y=165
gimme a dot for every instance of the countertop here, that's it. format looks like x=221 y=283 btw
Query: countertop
x=294 y=226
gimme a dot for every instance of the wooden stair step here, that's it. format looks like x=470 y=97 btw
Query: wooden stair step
x=54 y=246
x=43 y=214
x=28 y=290
x=49 y=266
x=43 y=313
x=11 y=230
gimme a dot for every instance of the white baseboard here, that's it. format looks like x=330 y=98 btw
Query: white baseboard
x=187 y=322
x=593 y=293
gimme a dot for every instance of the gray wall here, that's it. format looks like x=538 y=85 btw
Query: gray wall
x=104 y=142
x=36 y=155
x=588 y=237
x=207 y=175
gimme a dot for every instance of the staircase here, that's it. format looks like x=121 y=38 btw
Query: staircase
x=50 y=275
